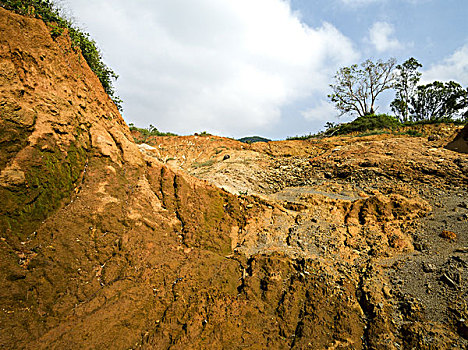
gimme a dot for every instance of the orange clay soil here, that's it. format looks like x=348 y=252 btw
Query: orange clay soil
x=323 y=244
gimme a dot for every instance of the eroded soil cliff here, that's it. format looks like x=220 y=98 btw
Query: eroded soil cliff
x=387 y=213
x=340 y=243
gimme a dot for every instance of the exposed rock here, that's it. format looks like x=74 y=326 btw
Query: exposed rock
x=107 y=244
x=460 y=142
x=10 y=177
x=449 y=235
x=144 y=146
x=428 y=267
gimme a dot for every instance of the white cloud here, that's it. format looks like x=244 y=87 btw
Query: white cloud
x=454 y=67
x=360 y=2
x=357 y=3
x=225 y=66
x=322 y=112
x=381 y=36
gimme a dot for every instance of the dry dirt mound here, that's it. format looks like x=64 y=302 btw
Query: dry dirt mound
x=265 y=168
x=106 y=244
x=460 y=143
x=354 y=204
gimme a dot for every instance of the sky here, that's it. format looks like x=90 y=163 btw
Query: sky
x=261 y=67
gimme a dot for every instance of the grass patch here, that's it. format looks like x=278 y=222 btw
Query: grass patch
x=150 y=131
x=303 y=137
x=203 y=133
x=203 y=164
x=447 y=120
x=411 y=132
x=367 y=123
x=372 y=133
x=143 y=134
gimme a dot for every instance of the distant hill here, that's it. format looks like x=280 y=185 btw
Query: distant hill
x=253 y=139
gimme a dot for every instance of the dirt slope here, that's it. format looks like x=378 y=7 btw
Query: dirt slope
x=107 y=244
x=460 y=142
x=377 y=210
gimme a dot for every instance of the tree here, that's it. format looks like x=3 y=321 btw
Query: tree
x=406 y=79
x=356 y=87
x=437 y=101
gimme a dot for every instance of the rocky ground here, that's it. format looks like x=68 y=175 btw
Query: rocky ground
x=202 y=242
x=387 y=212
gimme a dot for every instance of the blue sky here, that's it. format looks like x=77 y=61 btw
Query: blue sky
x=429 y=29
x=261 y=67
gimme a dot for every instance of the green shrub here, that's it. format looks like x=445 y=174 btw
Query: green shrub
x=365 y=123
x=372 y=125
x=150 y=131
x=203 y=133
x=373 y=133
x=412 y=132
x=302 y=137
x=50 y=14
x=447 y=120
x=439 y=101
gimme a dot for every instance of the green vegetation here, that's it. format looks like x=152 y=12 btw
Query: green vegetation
x=365 y=123
x=203 y=164
x=51 y=178
x=436 y=101
x=302 y=137
x=50 y=14
x=203 y=133
x=456 y=121
x=357 y=87
x=150 y=131
x=143 y=134
x=411 y=132
x=406 y=80
x=253 y=139
x=372 y=124
x=439 y=101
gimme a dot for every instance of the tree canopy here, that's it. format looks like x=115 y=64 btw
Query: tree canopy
x=439 y=101
x=406 y=80
x=357 y=87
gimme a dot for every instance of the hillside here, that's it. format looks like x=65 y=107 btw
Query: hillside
x=253 y=139
x=337 y=243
